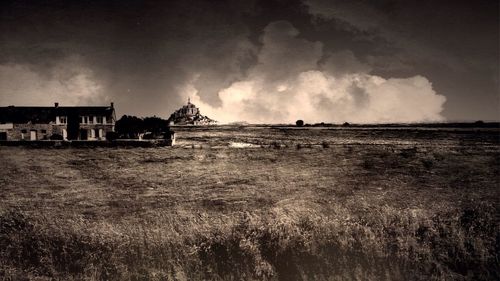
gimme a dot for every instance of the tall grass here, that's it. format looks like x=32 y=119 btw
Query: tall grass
x=292 y=242
x=394 y=207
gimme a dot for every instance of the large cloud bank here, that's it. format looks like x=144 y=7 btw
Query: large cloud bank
x=66 y=82
x=294 y=79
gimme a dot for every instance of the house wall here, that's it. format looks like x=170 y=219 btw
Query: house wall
x=104 y=127
x=5 y=129
x=16 y=133
x=72 y=128
x=58 y=129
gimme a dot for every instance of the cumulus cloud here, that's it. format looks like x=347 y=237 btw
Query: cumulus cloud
x=67 y=82
x=344 y=62
x=294 y=79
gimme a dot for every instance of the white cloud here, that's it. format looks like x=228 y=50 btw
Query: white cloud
x=288 y=84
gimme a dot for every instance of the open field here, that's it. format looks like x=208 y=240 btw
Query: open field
x=250 y=203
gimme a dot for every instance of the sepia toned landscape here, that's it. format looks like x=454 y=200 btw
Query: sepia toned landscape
x=257 y=203
x=245 y=140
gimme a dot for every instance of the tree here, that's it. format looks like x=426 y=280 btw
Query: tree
x=299 y=123
x=129 y=126
x=155 y=125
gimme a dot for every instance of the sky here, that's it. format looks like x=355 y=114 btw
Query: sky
x=259 y=61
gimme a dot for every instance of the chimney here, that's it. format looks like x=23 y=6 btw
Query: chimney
x=112 y=104
x=56 y=104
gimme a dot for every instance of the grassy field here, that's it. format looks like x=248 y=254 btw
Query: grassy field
x=257 y=204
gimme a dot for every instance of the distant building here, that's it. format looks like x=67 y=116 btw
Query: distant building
x=70 y=122
x=189 y=114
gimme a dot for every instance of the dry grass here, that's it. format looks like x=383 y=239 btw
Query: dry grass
x=346 y=205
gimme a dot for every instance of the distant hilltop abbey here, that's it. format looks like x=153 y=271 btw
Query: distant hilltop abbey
x=189 y=114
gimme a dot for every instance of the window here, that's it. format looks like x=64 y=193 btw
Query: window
x=43 y=131
x=99 y=120
x=84 y=120
x=91 y=120
x=24 y=131
x=63 y=119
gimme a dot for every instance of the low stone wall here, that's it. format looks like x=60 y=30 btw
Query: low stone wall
x=87 y=144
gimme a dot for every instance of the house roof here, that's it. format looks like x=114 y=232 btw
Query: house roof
x=43 y=115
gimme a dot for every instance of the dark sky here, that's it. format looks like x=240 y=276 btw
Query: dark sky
x=257 y=60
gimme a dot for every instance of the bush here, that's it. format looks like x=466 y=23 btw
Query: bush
x=111 y=136
x=148 y=136
x=299 y=123
x=479 y=123
x=168 y=135
x=56 y=137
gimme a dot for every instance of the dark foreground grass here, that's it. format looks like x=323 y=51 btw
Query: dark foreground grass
x=277 y=245
x=399 y=211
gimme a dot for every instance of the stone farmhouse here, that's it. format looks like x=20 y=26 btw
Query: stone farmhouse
x=69 y=122
x=189 y=114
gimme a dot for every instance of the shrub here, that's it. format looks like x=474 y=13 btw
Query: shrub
x=111 y=136
x=168 y=135
x=56 y=137
x=148 y=136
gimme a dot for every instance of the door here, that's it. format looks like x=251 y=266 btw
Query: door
x=3 y=136
x=65 y=134
x=84 y=134
x=33 y=135
x=73 y=126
